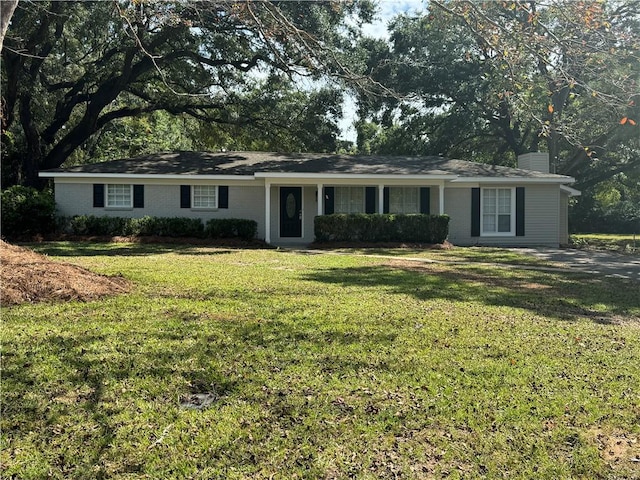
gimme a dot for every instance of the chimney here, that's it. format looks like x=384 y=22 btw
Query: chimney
x=536 y=161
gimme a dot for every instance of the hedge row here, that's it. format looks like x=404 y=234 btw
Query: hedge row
x=376 y=227
x=160 y=226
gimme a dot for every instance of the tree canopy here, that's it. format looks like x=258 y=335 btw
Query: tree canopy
x=496 y=79
x=72 y=69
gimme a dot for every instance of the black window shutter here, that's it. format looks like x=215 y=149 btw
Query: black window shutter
x=328 y=200
x=370 y=200
x=223 y=200
x=185 y=196
x=520 y=212
x=385 y=200
x=98 y=195
x=425 y=200
x=138 y=196
x=475 y=212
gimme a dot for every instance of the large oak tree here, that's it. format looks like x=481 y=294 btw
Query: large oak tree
x=495 y=79
x=70 y=69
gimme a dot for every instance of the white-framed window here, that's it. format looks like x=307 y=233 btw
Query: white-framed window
x=204 y=196
x=119 y=195
x=404 y=200
x=349 y=200
x=498 y=207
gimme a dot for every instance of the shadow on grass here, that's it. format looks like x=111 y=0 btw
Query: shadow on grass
x=117 y=372
x=77 y=249
x=568 y=296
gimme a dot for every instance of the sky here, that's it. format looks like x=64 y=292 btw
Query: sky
x=387 y=9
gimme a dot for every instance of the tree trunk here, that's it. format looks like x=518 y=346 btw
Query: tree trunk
x=7 y=7
x=33 y=154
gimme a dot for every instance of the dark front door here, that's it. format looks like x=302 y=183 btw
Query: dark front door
x=291 y=212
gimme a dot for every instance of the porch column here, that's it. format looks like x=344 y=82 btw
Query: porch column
x=380 y=198
x=441 y=198
x=320 y=198
x=267 y=211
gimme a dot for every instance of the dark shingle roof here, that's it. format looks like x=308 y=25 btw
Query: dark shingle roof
x=249 y=163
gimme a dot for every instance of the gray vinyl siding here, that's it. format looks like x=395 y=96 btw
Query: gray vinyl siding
x=434 y=200
x=564 y=219
x=457 y=204
x=542 y=218
x=163 y=201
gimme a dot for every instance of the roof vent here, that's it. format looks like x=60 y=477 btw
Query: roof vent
x=536 y=161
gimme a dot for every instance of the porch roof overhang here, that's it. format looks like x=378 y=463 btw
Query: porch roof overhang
x=360 y=178
x=572 y=192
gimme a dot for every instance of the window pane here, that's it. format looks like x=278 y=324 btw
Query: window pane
x=348 y=200
x=118 y=195
x=205 y=196
x=341 y=200
x=489 y=201
x=504 y=201
x=395 y=200
x=357 y=200
x=504 y=223
x=410 y=200
x=496 y=210
x=403 y=200
x=489 y=223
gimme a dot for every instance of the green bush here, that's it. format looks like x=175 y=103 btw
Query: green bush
x=27 y=211
x=176 y=227
x=231 y=228
x=136 y=227
x=381 y=228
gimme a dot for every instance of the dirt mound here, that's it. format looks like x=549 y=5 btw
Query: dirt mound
x=30 y=277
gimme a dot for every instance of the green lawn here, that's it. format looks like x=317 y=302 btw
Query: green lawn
x=628 y=243
x=322 y=366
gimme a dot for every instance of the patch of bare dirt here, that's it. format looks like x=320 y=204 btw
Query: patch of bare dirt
x=27 y=276
x=617 y=447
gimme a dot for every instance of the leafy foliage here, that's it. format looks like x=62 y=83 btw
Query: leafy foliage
x=377 y=227
x=72 y=69
x=26 y=211
x=122 y=226
x=159 y=226
x=231 y=228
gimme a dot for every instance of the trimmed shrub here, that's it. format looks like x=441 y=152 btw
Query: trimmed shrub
x=175 y=227
x=376 y=227
x=136 y=227
x=231 y=228
x=27 y=211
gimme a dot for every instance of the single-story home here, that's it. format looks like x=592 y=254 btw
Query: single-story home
x=487 y=204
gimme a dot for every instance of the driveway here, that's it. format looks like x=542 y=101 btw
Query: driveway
x=597 y=262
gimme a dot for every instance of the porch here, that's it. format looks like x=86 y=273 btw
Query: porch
x=291 y=204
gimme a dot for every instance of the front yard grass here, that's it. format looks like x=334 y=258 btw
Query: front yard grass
x=322 y=366
x=623 y=243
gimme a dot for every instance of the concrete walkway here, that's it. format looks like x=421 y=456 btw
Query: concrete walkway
x=598 y=262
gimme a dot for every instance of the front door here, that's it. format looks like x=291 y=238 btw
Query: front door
x=291 y=212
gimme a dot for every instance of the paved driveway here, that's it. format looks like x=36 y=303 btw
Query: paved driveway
x=597 y=262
